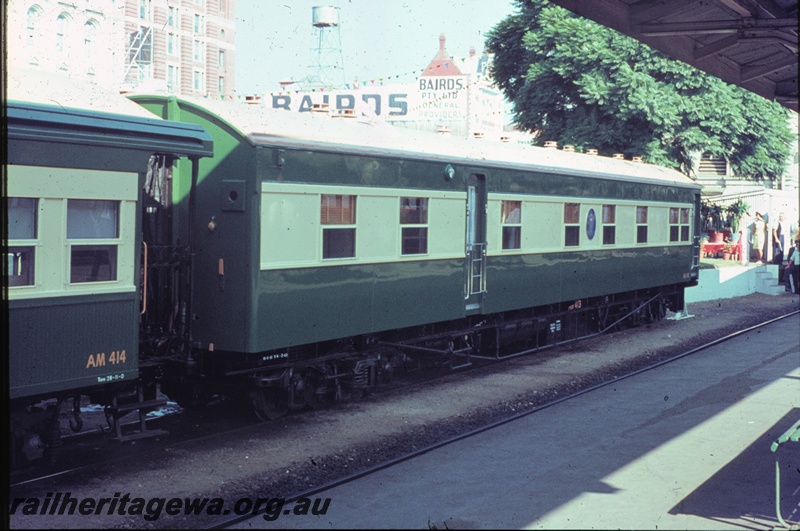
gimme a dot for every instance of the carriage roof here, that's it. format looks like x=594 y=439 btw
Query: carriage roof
x=261 y=126
x=48 y=106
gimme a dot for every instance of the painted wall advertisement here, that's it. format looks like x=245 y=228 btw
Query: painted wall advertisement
x=434 y=99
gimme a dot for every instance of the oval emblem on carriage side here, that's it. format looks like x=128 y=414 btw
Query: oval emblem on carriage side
x=591 y=223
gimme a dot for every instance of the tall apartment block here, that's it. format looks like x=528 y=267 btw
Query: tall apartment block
x=177 y=46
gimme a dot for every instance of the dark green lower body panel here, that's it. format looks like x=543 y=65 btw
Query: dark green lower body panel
x=73 y=342
x=300 y=306
x=524 y=281
x=304 y=306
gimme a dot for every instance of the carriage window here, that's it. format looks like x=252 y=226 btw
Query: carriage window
x=609 y=224
x=414 y=221
x=93 y=238
x=679 y=224
x=572 y=231
x=641 y=224
x=20 y=256
x=685 y=225
x=511 y=220
x=338 y=214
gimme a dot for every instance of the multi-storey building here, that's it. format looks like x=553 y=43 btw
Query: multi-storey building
x=81 y=39
x=178 y=46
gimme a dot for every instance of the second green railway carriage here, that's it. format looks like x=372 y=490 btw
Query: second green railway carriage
x=315 y=231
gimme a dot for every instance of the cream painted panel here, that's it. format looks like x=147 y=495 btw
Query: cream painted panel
x=40 y=181
x=375 y=218
x=447 y=220
x=377 y=225
x=626 y=225
x=658 y=223
x=542 y=226
x=290 y=229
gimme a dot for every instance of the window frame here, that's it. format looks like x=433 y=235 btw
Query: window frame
x=145 y=10
x=198 y=50
x=173 y=77
x=90 y=30
x=572 y=227
x=33 y=19
x=338 y=227
x=173 y=17
x=173 y=43
x=421 y=210
x=90 y=243
x=23 y=245
x=609 y=225
x=679 y=228
x=514 y=231
x=198 y=81
x=641 y=224
x=63 y=23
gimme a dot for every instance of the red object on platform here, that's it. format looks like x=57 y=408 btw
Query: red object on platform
x=711 y=249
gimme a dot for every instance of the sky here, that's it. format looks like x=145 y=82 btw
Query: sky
x=380 y=38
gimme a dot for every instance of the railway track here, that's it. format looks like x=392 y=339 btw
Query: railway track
x=228 y=521
x=247 y=429
x=182 y=429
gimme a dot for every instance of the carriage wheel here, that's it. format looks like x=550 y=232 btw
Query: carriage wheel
x=268 y=404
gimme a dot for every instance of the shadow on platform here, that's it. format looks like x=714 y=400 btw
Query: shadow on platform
x=744 y=490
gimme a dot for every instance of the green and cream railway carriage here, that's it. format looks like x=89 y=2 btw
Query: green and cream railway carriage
x=77 y=160
x=327 y=245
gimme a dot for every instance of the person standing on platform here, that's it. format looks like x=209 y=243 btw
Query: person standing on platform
x=759 y=228
x=792 y=270
x=779 y=233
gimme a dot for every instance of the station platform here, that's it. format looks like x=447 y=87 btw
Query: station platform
x=724 y=279
x=684 y=446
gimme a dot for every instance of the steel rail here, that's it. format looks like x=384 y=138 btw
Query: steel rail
x=228 y=521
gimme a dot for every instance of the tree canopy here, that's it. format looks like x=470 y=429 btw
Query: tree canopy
x=580 y=83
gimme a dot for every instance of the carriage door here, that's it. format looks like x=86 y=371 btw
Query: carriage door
x=475 y=263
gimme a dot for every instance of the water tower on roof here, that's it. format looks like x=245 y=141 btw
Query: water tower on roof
x=327 y=66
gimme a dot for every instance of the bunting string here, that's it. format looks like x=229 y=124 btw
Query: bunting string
x=379 y=81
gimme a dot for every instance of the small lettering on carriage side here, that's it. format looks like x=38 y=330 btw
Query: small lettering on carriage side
x=280 y=355
x=101 y=360
x=111 y=377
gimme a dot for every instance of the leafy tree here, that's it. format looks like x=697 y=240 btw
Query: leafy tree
x=581 y=83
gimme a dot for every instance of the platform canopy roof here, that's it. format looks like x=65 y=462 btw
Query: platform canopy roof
x=749 y=43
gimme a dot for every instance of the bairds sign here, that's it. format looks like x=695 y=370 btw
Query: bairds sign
x=437 y=99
